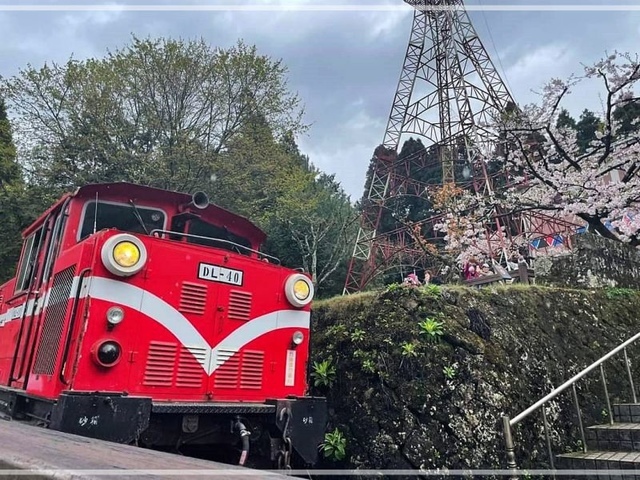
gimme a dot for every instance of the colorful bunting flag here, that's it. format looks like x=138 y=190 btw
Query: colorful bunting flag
x=557 y=240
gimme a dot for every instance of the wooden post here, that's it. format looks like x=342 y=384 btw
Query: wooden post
x=523 y=272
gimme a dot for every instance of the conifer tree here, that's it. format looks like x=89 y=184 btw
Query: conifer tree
x=11 y=189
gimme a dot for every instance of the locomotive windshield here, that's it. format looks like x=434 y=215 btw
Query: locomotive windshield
x=214 y=234
x=127 y=218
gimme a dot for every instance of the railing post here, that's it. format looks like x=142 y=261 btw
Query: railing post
x=508 y=441
x=582 y=436
x=606 y=394
x=628 y=366
x=548 y=437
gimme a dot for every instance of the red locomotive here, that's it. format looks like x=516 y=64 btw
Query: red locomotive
x=145 y=316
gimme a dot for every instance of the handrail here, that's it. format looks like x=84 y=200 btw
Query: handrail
x=261 y=254
x=508 y=423
x=518 y=418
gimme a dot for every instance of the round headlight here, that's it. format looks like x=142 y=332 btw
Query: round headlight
x=107 y=353
x=126 y=254
x=298 y=337
x=299 y=290
x=115 y=315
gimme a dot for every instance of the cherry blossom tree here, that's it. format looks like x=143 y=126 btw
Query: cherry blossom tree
x=551 y=172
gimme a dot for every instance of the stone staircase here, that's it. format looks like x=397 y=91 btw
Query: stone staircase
x=610 y=447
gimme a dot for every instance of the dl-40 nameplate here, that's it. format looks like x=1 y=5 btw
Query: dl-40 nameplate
x=216 y=273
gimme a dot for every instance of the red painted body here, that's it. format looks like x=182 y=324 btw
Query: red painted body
x=49 y=348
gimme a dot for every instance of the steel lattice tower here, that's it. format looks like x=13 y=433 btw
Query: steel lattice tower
x=449 y=91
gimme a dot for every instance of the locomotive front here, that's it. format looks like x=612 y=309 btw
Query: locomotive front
x=179 y=331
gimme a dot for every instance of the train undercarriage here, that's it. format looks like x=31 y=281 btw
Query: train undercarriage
x=273 y=434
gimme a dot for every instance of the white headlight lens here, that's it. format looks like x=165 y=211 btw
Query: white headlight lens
x=115 y=315
x=298 y=337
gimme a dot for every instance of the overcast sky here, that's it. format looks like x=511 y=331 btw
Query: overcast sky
x=344 y=64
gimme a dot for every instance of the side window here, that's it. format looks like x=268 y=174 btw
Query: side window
x=54 y=244
x=29 y=257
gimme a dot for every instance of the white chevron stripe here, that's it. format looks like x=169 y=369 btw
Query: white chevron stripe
x=258 y=327
x=166 y=315
x=169 y=317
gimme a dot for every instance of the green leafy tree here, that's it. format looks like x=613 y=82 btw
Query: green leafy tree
x=317 y=216
x=180 y=115
x=253 y=172
x=157 y=112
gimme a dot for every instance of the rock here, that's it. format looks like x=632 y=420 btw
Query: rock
x=405 y=401
x=593 y=262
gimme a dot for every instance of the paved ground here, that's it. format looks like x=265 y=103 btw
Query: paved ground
x=63 y=456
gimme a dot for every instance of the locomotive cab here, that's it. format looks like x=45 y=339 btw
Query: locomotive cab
x=147 y=316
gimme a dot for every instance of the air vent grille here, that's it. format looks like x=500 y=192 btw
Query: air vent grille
x=228 y=364
x=252 y=367
x=54 y=319
x=239 y=305
x=190 y=370
x=193 y=298
x=160 y=364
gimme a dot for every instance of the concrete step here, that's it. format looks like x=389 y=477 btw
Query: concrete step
x=602 y=464
x=623 y=437
x=626 y=412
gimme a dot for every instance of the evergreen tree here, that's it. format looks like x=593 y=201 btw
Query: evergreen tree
x=565 y=120
x=629 y=117
x=586 y=128
x=11 y=199
x=9 y=169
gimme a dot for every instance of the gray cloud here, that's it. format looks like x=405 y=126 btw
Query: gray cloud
x=345 y=65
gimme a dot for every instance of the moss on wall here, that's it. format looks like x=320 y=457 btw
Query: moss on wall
x=404 y=401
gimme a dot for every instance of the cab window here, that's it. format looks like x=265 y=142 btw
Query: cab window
x=28 y=262
x=214 y=234
x=126 y=218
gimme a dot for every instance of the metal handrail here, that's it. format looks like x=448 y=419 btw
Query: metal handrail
x=508 y=423
x=229 y=242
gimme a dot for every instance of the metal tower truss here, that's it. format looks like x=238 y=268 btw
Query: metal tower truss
x=448 y=94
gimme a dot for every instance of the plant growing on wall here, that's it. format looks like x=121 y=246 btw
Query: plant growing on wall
x=432 y=329
x=324 y=373
x=334 y=446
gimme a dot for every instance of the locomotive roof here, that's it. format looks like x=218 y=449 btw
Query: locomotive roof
x=137 y=192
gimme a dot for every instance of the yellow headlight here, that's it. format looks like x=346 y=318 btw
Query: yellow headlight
x=301 y=290
x=126 y=254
